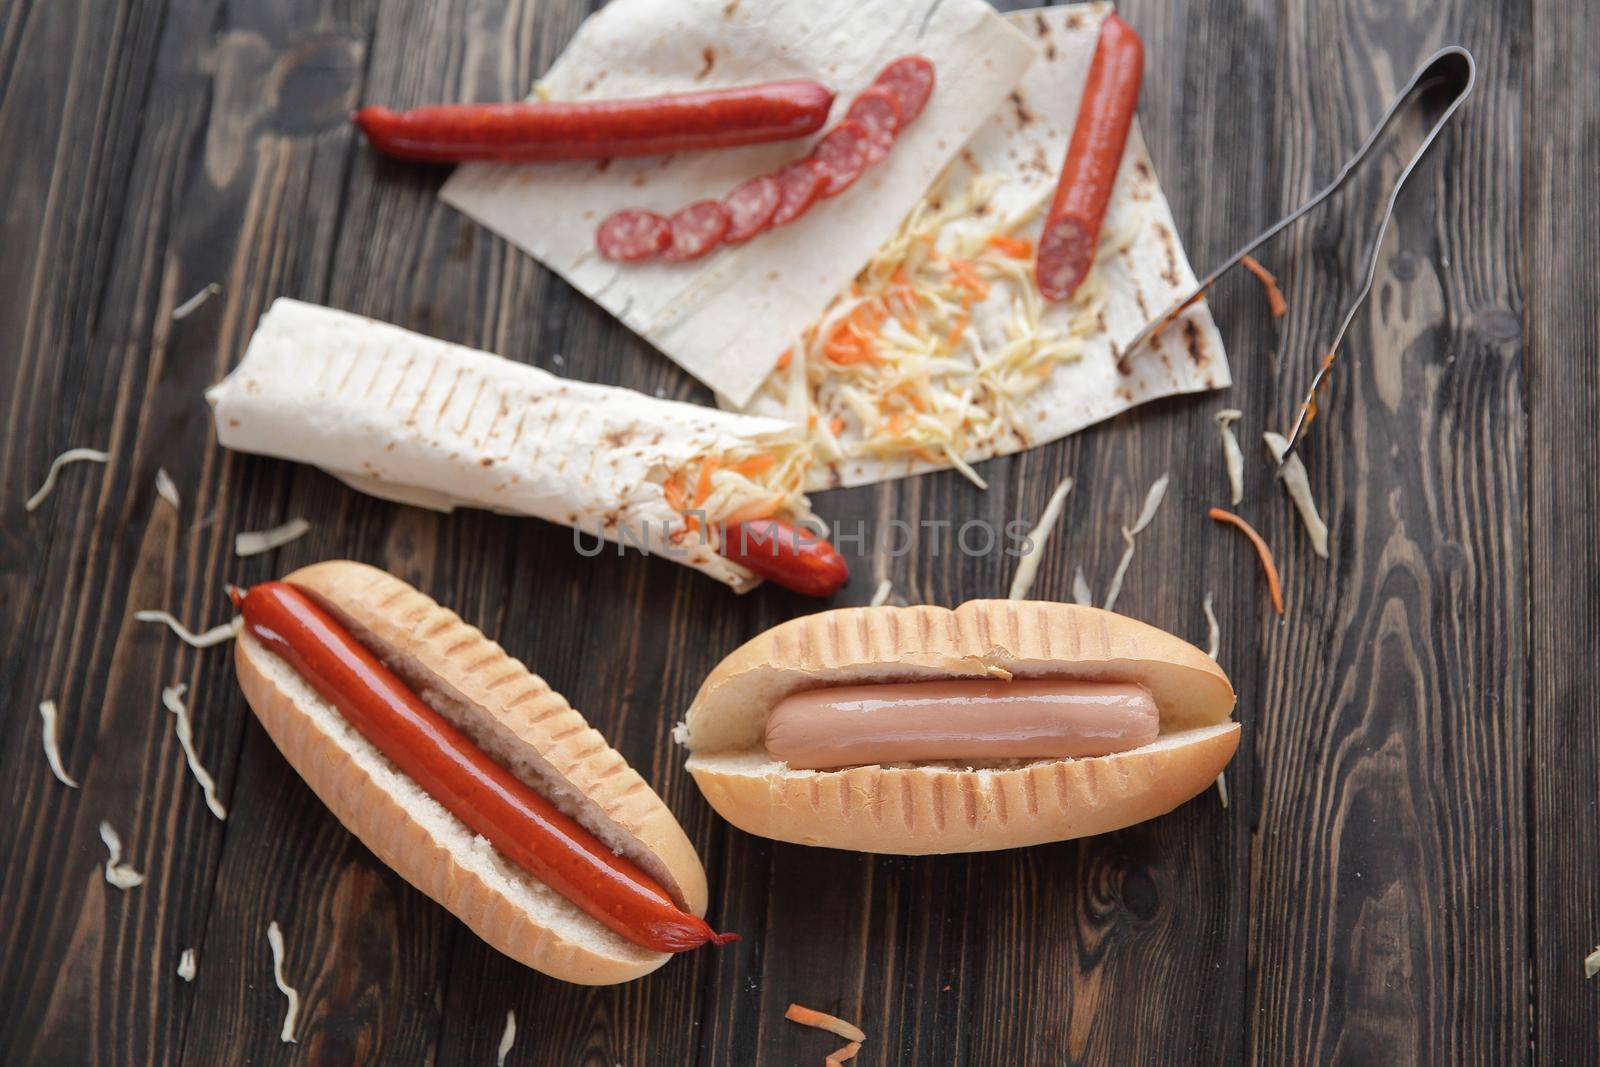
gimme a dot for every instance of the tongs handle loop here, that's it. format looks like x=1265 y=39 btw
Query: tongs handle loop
x=1449 y=64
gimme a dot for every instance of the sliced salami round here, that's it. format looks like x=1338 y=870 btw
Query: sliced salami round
x=751 y=207
x=800 y=185
x=911 y=79
x=843 y=152
x=1066 y=252
x=633 y=234
x=697 y=229
x=876 y=110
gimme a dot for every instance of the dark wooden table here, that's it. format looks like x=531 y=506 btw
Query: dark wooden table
x=1408 y=869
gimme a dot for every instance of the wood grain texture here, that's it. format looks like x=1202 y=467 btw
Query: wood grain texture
x=1405 y=872
x=1388 y=917
x=1562 y=156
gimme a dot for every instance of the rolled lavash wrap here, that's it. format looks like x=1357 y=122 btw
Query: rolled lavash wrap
x=438 y=425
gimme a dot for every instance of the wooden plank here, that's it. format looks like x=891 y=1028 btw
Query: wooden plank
x=1388 y=919
x=1563 y=225
x=86 y=970
x=228 y=182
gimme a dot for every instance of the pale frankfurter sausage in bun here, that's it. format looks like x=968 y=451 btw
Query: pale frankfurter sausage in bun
x=925 y=730
x=469 y=776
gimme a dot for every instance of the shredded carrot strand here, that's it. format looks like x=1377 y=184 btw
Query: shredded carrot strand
x=853 y=351
x=757 y=464
x=964 y=276
x=836 y=426
x=834 y=1059
x=799 y=1013
x=1015 y=247
x=1274 y=585
x=702 y=490
x=959 y=327
x=1275 y=301
x=761 y=509
x=673 y=488
x=851 y=340
x=785 y=359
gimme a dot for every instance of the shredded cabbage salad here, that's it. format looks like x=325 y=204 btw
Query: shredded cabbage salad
x=928 y=354
x=760 y=480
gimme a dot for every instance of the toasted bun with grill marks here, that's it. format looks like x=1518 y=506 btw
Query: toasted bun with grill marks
x=514 y=716
x=946 y=807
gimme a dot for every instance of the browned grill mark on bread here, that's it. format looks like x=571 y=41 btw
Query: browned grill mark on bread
x=504 y=679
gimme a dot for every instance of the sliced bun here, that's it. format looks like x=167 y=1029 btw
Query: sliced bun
x=945 y=807
x=518 y=719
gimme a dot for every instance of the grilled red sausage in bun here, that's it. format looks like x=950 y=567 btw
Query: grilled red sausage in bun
x=469 y=776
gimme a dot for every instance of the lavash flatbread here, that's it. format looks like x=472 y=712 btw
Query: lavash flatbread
x=727 y=318
x=434 y=424
x=1022 y=145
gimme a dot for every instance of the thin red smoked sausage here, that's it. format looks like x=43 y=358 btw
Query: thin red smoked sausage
x=536 y=131
x=795 y=559
x=1072 y=228
x=523 y=826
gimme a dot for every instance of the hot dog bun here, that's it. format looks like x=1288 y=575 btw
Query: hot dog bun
x=914 y=809
x=518 y=719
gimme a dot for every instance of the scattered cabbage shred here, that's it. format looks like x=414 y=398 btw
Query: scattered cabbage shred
x=1028 y=565
x=1295 y=481
x=166 y=489
x=1591 y=965
x=186 y=965
x=172 y=697
x=194 y=303
x=52 y=753
x=292 y=1012
x=1152 y=502
x=1213 y=646
x=118 y=873
x=215 y=636
x=1232 y=457
x=880 y=596
x=507 y=1039
x=255 y=542
x=1213 y=631
x=1081 y=593
x=71 y=455
x=929 y=353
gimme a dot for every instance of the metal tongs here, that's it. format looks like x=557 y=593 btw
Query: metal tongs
x=1451 y=72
